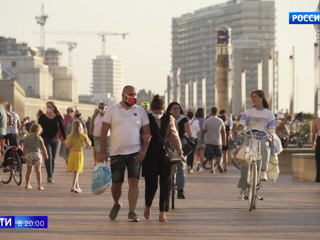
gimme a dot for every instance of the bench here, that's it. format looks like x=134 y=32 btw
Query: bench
x=303 y=166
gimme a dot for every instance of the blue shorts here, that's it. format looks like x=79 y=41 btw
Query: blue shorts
x=212 y=151
x=119 y=163
x=97 y=143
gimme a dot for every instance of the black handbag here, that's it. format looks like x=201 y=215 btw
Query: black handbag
x=170 y=154
x=188 y=146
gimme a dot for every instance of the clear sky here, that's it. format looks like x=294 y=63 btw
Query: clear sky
x=146 y=51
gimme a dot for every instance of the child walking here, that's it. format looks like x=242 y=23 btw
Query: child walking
x=75 y=141
x=32 y=147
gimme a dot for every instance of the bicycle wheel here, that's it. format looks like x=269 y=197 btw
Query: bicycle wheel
x=252 y=171
x=6 y=174
x=16 y=169
x=256 y=193
x=235 y=161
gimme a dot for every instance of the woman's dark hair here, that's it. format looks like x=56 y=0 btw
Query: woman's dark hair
x=157 y=103
x=39 y=113
x=223 y=117
x=190 y=114
x=262 y=95
x=170 y=106
x=200 y=113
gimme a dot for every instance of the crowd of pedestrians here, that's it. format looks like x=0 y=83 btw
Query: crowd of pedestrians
x=133 y=137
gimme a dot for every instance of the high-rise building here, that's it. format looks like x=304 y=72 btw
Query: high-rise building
x=107 y=78
x=194 y=47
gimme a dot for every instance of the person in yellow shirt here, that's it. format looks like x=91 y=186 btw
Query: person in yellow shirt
x=75 y=141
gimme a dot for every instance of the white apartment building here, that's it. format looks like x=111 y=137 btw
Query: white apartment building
x=107 y=78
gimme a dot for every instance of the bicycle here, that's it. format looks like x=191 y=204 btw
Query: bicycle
x=298 y=138
x=12 y=167
x=252 y=156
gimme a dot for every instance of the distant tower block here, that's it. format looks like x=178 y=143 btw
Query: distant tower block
x=223 y=81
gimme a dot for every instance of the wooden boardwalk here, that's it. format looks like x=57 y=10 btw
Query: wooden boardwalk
x=211 y=210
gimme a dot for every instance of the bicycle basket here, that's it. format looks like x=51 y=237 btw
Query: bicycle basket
x=255 y=148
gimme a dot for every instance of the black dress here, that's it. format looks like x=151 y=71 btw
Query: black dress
x=154 y=165
x=154 y=158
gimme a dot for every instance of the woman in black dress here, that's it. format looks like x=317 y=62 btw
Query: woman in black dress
x=154 y=164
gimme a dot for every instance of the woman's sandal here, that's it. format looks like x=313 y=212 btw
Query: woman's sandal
x=28 y=187
x=40 y=188
x=162 y=217
x=147 y=212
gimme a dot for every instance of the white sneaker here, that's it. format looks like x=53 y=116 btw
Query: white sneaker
x=263 y=176
x=201 y=170
x=242 y=193
x=198 y=166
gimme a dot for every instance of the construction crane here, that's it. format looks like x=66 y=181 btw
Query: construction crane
x=71 y=46
x=100 y=34
x=41 y=20
x=103 y=39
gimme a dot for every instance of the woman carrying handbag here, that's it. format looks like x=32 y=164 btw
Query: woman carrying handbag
x=155 y=164
x=183 y=127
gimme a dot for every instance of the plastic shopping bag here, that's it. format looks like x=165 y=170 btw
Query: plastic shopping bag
x=101 y=178
x=273 y=168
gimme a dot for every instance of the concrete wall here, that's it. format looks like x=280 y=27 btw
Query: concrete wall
x=285 y=158
x=304 y=167
x=12 y=92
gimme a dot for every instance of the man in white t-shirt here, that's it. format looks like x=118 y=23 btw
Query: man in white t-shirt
x=125 y=121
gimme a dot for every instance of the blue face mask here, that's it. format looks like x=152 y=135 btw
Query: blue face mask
x=289 y=122
x=157 y=116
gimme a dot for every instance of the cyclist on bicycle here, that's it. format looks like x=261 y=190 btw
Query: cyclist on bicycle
x=260 y=121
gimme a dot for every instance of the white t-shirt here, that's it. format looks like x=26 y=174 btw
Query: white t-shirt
x=213 y=126
x=14 y=127
x=194 y=127
x=258 y=119
x=97 y=125
x=125 y=128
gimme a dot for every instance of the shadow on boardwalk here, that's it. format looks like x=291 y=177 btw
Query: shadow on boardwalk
x=211 y=210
